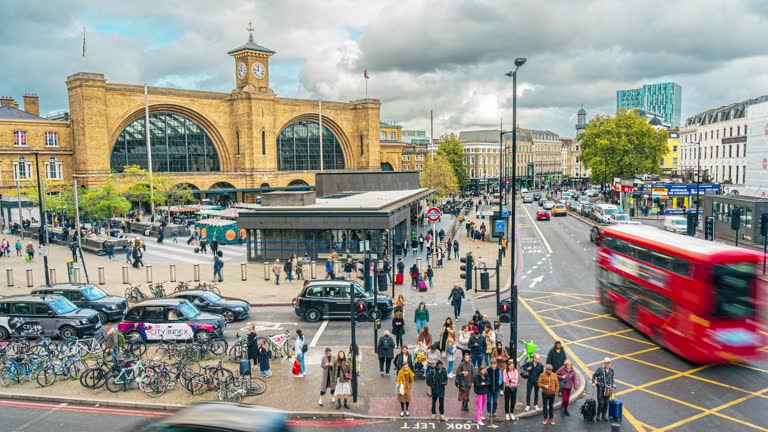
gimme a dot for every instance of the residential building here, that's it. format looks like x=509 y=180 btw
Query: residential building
x=663 y=98
x=413 y=157
x=390 y=132
x=756 y=182
x=670 y=163
x=721 y=134
x=415 y=137
x=481 y=143
x=566 y=159
x=547 y=151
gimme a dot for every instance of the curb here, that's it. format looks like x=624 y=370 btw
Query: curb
x=295 y=414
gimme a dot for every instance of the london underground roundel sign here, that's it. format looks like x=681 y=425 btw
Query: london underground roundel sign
x=433 y=214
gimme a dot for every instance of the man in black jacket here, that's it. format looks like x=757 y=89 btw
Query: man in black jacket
x=477 y=348
x=437 y=379
x=385 y=349
x=455 y=297
x=534 y=368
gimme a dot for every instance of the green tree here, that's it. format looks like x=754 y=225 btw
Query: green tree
x=60 y=196
x=104 y=202
x=438 y=174
x=134 y=184
x=170 y=191
x=622 y=146
x=453 y=150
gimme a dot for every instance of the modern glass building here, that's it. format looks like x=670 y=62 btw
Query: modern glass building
x=663 y=98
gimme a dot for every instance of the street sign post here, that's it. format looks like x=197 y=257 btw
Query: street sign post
x=433 y=214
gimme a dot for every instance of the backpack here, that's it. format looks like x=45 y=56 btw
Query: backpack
x=304 y=347
x=589 y=410
x=120 y=340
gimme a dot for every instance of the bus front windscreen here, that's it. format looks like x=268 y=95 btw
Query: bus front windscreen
x=733 y=286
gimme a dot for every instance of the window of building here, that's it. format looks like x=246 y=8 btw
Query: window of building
x=736 y=180
x=471 y=159
x=53 y=169
x=738 y=130
x=717 y=151
x=263 y=143
x=298 y=148
x=745 y=129
x=472 y=172
x=407 y=167
x=674 y=148
x=718 y=134
x=730 y=133
x=383 y=136
x=20 y=138
x=744 y=174
x=406 y=158
x=391 y=136
x=178 y=145
x=418 y=167
x=730 y=151
x=729 y=174
x=22 y=170
x=51 y=139
x=711 y=134
x=661 y=162
x=674 y=161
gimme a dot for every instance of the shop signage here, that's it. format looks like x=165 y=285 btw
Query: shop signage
x=734 y=140
x=434 y=214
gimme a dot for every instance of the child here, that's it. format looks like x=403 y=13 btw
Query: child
x=450 y=355
x=263 y=354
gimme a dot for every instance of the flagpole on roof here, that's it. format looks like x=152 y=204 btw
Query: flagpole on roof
x=85 y=50
x=365 y=75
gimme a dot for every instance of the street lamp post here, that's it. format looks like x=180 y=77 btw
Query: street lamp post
x=43 y=219
x=513 y=322
x=698 y=183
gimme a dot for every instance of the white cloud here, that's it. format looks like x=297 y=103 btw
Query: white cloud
x=449 y=56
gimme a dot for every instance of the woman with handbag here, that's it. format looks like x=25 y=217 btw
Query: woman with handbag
x=509 y=377
x=342 y=372
x=567 y=377
x=398 y=328
x=405 y=380
x=500 y=353
x=447 y=331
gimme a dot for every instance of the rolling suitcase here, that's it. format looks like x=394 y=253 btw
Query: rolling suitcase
x=615 y=409
x=398 y=279
x=245 y=367
x=421 y=285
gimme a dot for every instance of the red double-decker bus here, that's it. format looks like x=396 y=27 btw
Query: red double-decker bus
x=695 y=297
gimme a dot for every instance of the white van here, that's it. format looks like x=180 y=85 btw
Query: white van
x=677 y=224
x=523 y=191
x=601 y=212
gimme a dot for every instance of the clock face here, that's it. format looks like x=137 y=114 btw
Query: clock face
x=258 y=70
x=241 y=70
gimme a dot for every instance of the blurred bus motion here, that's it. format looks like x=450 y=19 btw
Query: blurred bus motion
x=695 y=297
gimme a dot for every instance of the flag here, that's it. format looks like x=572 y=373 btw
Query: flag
x=85 y=51
x=365 y=73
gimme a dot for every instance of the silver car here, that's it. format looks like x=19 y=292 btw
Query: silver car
x=548 y=205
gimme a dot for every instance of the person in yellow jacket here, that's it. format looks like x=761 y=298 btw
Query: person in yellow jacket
x=405 y=380
x=549 y=385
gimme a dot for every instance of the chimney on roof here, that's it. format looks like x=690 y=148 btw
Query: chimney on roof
x=7 y=101
x=32 y=104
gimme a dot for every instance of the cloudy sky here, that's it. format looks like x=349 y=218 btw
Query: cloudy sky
x=449 y=56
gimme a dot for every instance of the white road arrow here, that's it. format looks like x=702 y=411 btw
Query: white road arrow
x=535 y=280
x=492 y=426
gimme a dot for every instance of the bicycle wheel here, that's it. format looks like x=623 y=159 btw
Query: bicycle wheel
x=136 y=347
x=70 y=348
x=113 y=385
x=75 y=369
x=196 y=384
x=223 y=377
x=6 y=376
x=153 y=385
x=218 y=346
x=93 y=378
x=215 y=289
x=289 y=347
x=237 y=352
x=236 y=397
x=192 y=353
x=46 y=377
x=253 y=386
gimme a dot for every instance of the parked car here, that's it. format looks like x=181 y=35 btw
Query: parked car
x=231 y=309
x=619 y=218
x=602 y=212
x=47 y=315
x=677 y=224
x=325 y=299
x=527 y=198
x=592 y=193
x=548 y=205
x=219 y=417
x=542 y=215
x=586 y=210
x=559 y=210
x=170 y=319
x=109 y=308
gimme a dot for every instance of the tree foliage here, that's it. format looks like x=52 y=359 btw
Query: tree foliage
x=438 y=174
x=104 y=201
x=453 y=150
x=622 y=146
x=171 y=192
x=60 y=196
x=135 y=185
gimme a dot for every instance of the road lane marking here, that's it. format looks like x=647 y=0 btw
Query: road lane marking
x=556 y=307
x=630 y=418
x=320 y=331
x=40 y=417
x=536 y=227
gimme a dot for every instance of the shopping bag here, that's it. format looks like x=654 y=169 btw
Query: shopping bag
x=296 y=367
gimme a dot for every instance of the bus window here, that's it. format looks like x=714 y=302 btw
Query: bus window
x=733 y=284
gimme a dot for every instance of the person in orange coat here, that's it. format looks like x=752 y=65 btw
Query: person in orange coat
x=549 y=385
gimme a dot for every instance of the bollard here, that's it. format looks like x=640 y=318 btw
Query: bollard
x=125 y=275
x=149 y=273
x=336 y=268
x=243 y=272
x=267 y=273
x=52 y=275
x=173 y=272
x=30 y=280
x=196 y=272
x=102 y=279
x=313 y=269
x=615 y=426
x=77 y=275
x=418 y=264
x=9 y=276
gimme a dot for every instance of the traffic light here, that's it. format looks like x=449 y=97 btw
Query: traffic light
x=485 y=281
x=466 y=270
x=505 y=311
x=736 y=218
x=764 y=224
x=693 y=222
x=709 y=228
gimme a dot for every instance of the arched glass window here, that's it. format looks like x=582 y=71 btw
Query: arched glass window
x=178 y=145
x=298 y=148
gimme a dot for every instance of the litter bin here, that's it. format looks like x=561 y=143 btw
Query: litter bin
x=632 y=212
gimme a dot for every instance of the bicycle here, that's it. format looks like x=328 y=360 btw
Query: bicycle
x=129 y=373
x=182 y=286
x=200 y=349
x=133 y=294
x=230 y=393
x=525 y=355
x=67 y=368
x=73 y=346
x=205 y=286
x=211 y=378
x=238 y=351
x=280 y=345
x=19 y=367
x=157 y=289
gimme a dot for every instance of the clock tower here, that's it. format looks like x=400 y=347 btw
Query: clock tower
x=252 y=66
